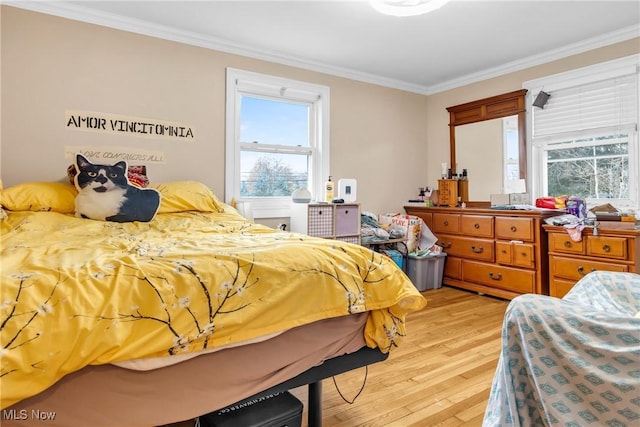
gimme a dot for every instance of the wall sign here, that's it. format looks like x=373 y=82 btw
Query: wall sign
x=118 y=124
x=112 y=155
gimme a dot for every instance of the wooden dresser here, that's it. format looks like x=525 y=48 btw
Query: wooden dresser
x=496 y=252
x=612 y=249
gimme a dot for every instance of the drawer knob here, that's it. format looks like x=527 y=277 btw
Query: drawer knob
x=495 y=276
x=445 y=245
x=477 y=250
x=581 y=270
x=606 y=248
x=567 y=244
x=513 y=228
x=476 y=225
x=446 y=223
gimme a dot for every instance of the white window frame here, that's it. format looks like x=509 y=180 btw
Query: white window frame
x=536 y=150
x=248 y=83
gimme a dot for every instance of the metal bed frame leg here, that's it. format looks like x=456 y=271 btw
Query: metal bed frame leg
x=314 y=416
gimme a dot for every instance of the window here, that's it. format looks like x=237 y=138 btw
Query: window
x=277 y=140
x=511 y=149
x=585 y=138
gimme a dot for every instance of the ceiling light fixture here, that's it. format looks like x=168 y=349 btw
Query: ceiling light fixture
x=406 y=7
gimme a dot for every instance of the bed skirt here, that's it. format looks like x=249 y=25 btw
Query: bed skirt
x=108 y=396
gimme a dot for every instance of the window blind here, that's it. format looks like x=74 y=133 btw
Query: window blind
x=602 y=104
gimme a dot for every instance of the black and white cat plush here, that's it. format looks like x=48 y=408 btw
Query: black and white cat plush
x=104 y=193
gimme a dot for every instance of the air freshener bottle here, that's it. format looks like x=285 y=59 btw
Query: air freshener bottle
x=328 y=192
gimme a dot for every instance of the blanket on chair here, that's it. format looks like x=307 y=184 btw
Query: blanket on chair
x=573 y=361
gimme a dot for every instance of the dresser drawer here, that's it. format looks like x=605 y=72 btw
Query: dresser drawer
x=347 y=220
x=468 y=247
x=562 y=243
x=607 y=247
x=516 y=254
x=349 y=239
x=559 y=287
x=511 y=228
x=453 y=267
x=446 y=223
x=511 y=279
x=320 y=221
x=574 y=269
x=477 y=225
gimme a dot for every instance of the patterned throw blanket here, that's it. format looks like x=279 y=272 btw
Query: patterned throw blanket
x=77 y=292
x=573 y=361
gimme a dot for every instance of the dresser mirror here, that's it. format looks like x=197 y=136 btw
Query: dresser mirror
x=487 y=138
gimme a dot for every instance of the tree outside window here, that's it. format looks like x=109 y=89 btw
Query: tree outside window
x=274 y=152
x=598 y=168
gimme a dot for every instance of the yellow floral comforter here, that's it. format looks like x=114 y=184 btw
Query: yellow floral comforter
x=77 y=292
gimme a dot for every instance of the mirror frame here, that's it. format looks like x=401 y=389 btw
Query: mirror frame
x=494 y=107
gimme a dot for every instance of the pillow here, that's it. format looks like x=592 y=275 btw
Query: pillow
x=181 y=196
x=40 y=196
x=105 y=193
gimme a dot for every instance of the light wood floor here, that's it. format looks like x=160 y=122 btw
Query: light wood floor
x=440 y=376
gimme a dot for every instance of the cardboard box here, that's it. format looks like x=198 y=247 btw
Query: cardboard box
x=499 y=199
x=510 y=199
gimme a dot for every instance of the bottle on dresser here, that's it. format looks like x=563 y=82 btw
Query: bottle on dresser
x=329 y=190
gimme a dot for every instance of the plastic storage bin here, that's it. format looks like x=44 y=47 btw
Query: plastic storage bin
x=278 y=410
x=426 y=271
x=395 y=255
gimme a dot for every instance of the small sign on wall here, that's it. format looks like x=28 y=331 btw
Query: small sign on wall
x=119 y=124
x=112 y=155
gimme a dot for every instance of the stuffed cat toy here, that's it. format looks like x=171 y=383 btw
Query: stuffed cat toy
x=104 y=193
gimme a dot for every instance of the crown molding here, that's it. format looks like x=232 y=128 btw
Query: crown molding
x=607 y=39
x=65 y=10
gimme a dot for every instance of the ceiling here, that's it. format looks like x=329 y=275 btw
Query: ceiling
x=462 y=42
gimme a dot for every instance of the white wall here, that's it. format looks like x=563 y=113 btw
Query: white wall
x=392 y=142
x=52 y=65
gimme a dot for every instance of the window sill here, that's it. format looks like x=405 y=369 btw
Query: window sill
x=271 y=208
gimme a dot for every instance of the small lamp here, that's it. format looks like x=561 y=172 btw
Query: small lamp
x=301 y=195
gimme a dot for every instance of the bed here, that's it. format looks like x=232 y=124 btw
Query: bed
x=144 y=324
x=573 y=361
